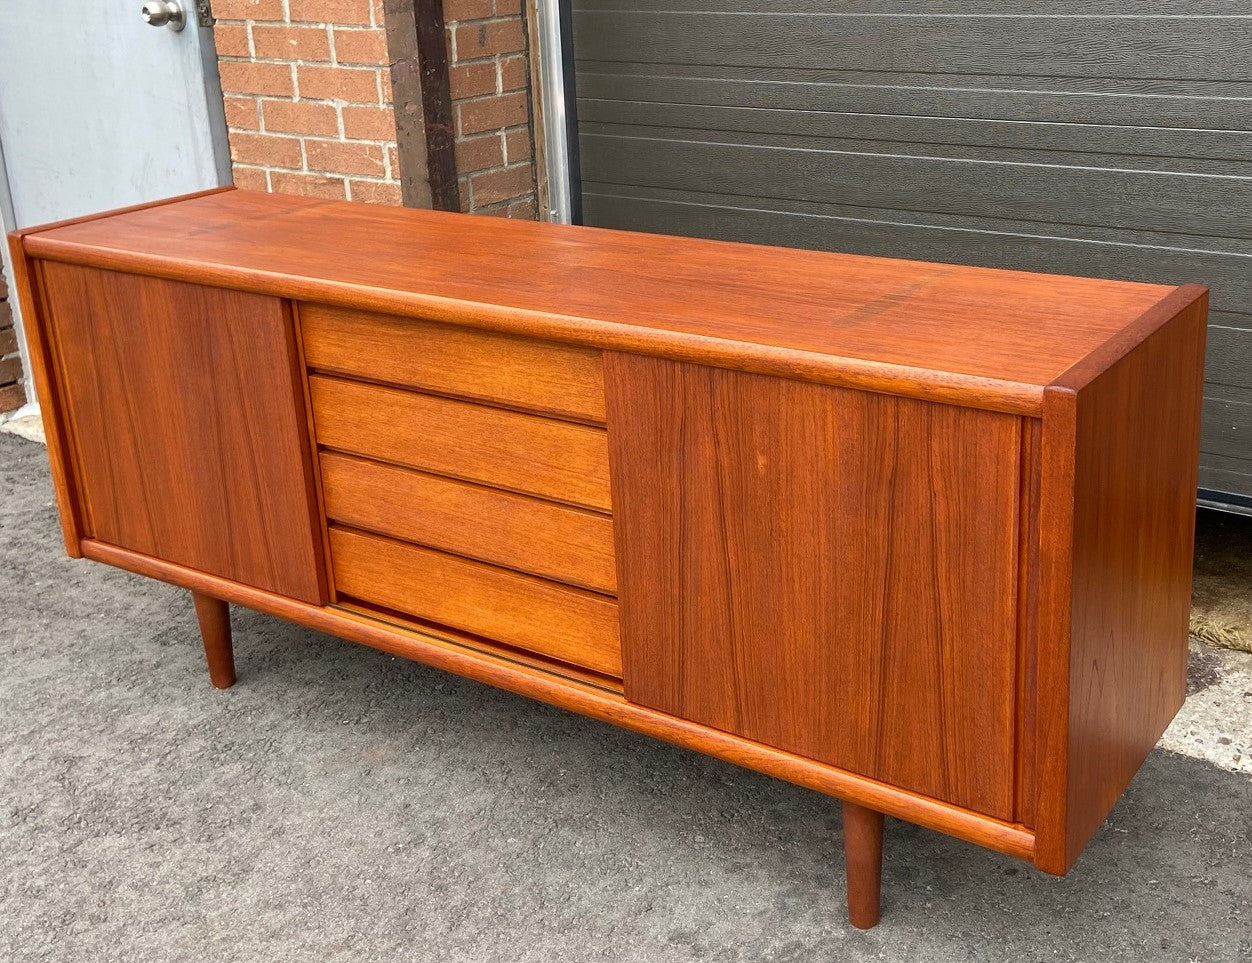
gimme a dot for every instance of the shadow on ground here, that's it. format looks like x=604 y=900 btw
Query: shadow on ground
x=340 y=804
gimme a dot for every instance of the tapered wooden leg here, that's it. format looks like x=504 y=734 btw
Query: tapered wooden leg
x=862 y=850
x=214 y=617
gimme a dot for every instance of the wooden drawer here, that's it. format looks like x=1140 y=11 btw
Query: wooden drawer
x=557 y=541
x=527 y=613
x=448 y=359
x=505 y=449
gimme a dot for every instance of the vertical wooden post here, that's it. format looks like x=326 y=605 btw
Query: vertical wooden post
x=214 y=617
x=862 y=849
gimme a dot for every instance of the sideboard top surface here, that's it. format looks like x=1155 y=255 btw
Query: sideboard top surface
x=986 y=337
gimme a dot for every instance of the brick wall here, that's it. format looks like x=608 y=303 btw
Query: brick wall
x=489 y=77
x=12 y=395
x=308 y=95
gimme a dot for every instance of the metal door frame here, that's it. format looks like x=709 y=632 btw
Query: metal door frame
x=560 y=110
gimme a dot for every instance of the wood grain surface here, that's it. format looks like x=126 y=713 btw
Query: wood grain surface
x=988 y=337
x=555 y=379
x=539 y=456
x=188 y=425
x=829 y=572
x=529 y=613
x=1120 y=437
x=515 y=531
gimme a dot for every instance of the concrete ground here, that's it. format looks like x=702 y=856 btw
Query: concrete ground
x=339 y=804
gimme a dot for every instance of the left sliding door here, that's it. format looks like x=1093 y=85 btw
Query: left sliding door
x=187 y=425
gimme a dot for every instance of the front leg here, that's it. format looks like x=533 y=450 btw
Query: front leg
x=214 y=617
x=862 y=849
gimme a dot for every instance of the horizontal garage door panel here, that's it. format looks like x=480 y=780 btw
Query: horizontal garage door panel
x=1227 y=423
x=962 y=8
x=1083 y=137
x=1174 y=103
x=1205 y=48
x=1229 y=360
x=861 y=131
x=1029 y=191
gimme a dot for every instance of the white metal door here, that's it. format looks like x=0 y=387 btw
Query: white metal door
x=99 y=109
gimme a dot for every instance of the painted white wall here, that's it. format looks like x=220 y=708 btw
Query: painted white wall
x=100 y=110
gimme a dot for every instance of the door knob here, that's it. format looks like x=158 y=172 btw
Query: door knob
x=164 y=13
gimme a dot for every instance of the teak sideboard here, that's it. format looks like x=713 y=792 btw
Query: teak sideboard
x=917 y=536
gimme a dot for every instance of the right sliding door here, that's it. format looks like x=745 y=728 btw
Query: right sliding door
x=827 y=571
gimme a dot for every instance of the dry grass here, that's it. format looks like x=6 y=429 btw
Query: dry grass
x=1215 y=631
x=1221 y=612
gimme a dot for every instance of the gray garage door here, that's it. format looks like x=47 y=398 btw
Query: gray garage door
x=1110 y=139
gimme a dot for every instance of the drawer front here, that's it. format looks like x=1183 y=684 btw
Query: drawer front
x=515 y=531
x=556 y=379
x=566 y=624
x=505 y=449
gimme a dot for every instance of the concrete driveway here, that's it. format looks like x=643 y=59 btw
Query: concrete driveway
x=340 y=804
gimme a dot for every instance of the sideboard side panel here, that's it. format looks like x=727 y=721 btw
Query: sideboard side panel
x=1135 y=429
x=60 y=457
x=188 y=423
x=826 y=571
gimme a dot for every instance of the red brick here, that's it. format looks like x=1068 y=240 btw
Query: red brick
x=361 y=46
x=514 y=73
x=314 y=185
x=495 y=186
x=488 y=39
x=12 y=397
x=492 y=113
x=369 y=123
x=472 y=80
x=517 y=145
x=508 y=8
x=356 y=12
x=242 y=113
x=270 y=80
x=10 y=371
x=454 y=10
x=265 y=150
x=248 y=9
x=358 y=85
x=300 y=118
x=339 y=157
x=231 y=40
x=8 y=341
x=250 y=178
x=376 y=192
x=479 y=153
x=393 y=160
x=290 y=43
x=527 y=209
